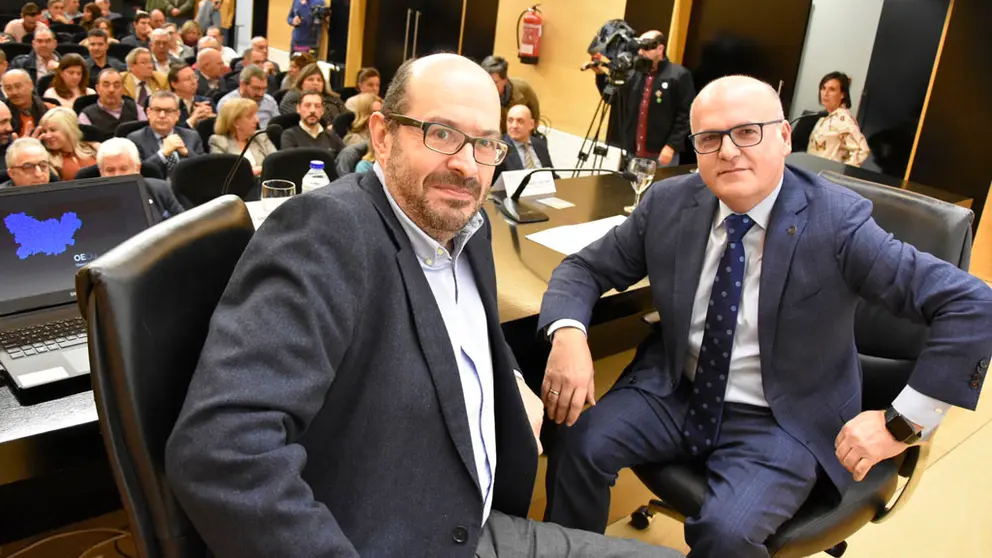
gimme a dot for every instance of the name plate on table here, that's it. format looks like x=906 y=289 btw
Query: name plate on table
x=541 y=184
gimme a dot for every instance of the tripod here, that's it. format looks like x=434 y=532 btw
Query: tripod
x=592 y=144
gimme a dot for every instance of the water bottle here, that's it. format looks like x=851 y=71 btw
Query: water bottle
x=315 y=177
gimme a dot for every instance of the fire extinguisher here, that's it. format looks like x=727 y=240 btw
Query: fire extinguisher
x=529 y=35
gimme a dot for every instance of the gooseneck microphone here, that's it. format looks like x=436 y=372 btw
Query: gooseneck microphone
x=272 y=129
x=520 y=212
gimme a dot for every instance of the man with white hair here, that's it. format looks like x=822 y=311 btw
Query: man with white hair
x=210 y=69
x=161 y=45
x=141 y=79
x=28 y=163
x=260 y=45
x=119 y=156
x=43 y=59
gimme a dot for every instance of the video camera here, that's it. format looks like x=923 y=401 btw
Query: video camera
x=617 y=41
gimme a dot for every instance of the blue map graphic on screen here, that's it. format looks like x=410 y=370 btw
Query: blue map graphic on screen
x=50 y=237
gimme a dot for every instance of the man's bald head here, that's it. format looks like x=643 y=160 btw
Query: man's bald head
x=657 y=53
x=207 y=42
x=18 y=88
x=210 y=63
x=747 y=87
x=520 y=123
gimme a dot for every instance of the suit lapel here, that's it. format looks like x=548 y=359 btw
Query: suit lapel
x=693 y=234
x=786 y=225
x=434 y=341
x=512 y=161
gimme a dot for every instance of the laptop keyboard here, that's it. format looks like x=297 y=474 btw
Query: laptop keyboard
x=42 y=338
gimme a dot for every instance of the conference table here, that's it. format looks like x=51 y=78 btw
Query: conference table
x=59 y=441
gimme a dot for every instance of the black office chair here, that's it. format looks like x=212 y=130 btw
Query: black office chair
x=75 y=48
x=82 y=102
x=51 y=101
x=119 y=50
x=44 y=82
x=205 y=128
x=93 y=171
x=234 y=63
x=293 y=164
x=802 y=129
x=278 y=95
x=148 y=304
x=125 y=128
x=68 y=28
x=13 y=50
x=91 y=133
x=28 y=38
x=201 y=179
x=284 y=121
x=342 y=124
x=121 y=26
x=888 y=348
x=347 y=93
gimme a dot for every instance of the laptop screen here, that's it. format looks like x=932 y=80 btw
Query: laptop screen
x=48 y=232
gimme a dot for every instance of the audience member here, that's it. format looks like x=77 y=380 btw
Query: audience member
x=26 y=107
x=227 y=52
x=193 y=108
x=141 y=79
x=119 y=157
x=161 y=42
x=72 y=9
x=103 y=24
x=470 y=457
x=297 y=61
x=70 y=82
x=368 y=82
x=178 y=11
x=310 y=132
x=237 y=121
x=210 y=70
x=27 y=164
x=208 y=15
x=190 y=33
x=179 y=50
x=367 y=163
x=55 y=12
x=655 y=119
x=3 y=70
x=527 y=151
x=311 y=78
x=142 y=31
x=305 y=26
x=43 y=59
x=104 y=6
x=91 y=13
x=260 y=45
x=837 y=136
x=252 y=85
x=512 y=91
x=28 y=22
x=347 y=160
x=366 y=105
x=157 y=18
x=7 y=134
x=112 y=108
x=98 y=60
x=66 y=149
x=162 y=144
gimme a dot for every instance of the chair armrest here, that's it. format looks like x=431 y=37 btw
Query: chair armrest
x=913 y=466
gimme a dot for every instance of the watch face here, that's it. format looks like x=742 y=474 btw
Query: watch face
x=899 y=427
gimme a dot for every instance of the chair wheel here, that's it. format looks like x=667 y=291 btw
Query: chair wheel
x=641 y=518
x=838 y=550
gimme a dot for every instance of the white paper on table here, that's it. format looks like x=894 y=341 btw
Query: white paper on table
x=541 y=184
x=556 y=203
x=569 y=239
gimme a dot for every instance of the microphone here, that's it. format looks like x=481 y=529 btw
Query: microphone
x=820 y=114
x=520 y=212
x=272 y=128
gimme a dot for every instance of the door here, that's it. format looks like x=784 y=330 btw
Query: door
x=437 y=27
x=389 y=30
x=479 y=34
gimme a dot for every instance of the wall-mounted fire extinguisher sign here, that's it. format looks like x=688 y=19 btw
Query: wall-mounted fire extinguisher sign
x=529 y=27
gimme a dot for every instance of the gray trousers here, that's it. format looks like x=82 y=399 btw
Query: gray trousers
x=504 y=536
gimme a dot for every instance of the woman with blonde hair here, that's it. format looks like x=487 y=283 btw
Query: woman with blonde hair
x=64 y=141
x=190 y=33
x=365 y=105
x=311 y=78
x=237 y=121
x=70 y=81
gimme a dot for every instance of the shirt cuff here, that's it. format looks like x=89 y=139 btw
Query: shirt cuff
x=518 y=375
x=566 y=323
x=920 y=409
x=162 y=156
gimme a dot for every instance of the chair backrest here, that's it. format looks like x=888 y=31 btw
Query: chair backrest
x=69 y=28
x=28 y=38
x=205 y=128
x=284 y=121
x=66 y=48
x=342 y=123
x=889 y=345
x=82 y=102
x=293 y=164
x=278 y=95
x=44 y=82
x=201 y=179
x=125 y=128
x=119 y=50
x=90 y=133
x=148 y=304
x=91 y=171
x=13 y=50
x=802 y=129
x=121 y=26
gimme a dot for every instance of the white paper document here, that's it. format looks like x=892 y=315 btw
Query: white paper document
x=556 y=203
x=541 y=184
x=569 y=239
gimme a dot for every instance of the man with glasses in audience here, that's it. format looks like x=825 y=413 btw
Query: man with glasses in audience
x=387 y=382
x=98 y=61
x=111 y=109
x=27 y=163
x=119 y=157
x=26 y=107
x=163 y=144
x=43 y=60
x=161 y=44
x=762 y=392
x=253 y=85
x=141 y=79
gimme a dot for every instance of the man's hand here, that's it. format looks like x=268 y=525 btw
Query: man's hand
x=201 y=111
x=174 y=11
x=569 y=381
x=864 y=441
x=173 y=143
x=665 y=157
x=52 y=65
x=296 y=21
x=534 y=409
x=269 y=67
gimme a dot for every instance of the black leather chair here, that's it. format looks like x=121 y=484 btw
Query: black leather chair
x=82 y=102
x=802 y=129
x=293 y=164
x=119 y=51
x=90 y=133
x=66 y=48
x=93 y=171
x=69 y=28
x=342 y=124
x=51 y=101
x=284 y=121
x=201 y=179
x=121 y=26
x=126 y=128
x=888 y=348
x=206 y=129
x=44 y=82
x=148 y=304
x=278 y=95
x=13 y=50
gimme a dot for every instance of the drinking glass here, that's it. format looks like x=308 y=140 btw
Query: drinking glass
x=276 y=191
x=644 y=170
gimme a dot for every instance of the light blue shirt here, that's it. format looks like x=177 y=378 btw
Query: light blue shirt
x=266 y=109
x=457 y=296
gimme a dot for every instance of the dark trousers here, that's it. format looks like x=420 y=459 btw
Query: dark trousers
x=758 y=474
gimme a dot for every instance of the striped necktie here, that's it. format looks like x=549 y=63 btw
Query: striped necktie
x=528 y=158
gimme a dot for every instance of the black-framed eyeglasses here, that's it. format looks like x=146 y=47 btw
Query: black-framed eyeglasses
x=743 y=135
x=30 y=167
x=447 y=140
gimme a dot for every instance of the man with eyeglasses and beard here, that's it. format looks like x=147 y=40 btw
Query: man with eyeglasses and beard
x=383 y=377
x=309 y=133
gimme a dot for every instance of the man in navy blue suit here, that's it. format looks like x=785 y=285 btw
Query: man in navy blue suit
x=162 y=143
x=527 y=151
x=756 y=269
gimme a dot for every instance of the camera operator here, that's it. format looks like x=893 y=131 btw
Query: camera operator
x=651 y=112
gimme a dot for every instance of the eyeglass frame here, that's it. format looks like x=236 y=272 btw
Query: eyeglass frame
x=33 y=167
x=404 y=120
x=727 y=133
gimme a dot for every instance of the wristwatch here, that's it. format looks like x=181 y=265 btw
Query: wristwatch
x=900 y=428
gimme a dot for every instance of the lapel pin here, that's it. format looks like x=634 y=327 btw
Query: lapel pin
x=791 y=229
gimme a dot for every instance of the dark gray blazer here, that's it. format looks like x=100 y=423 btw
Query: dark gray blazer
x=822 y=252
x=513 y=161
x=326 y=416
x=148 y=146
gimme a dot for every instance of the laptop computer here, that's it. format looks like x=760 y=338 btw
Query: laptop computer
x=46 y=234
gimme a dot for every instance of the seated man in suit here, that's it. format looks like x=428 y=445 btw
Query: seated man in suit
x=28 y=164
x=527 y=151
x=763 y=391
x=303 y=462
x=111 y=109
x=309 y=132
x=43 y=59
x=26 y=107
x=98 y=61
x=119 y=157
x=162 y=143
x=141 y=79
x=193 y=108
x=161 y=44
x=210 y=69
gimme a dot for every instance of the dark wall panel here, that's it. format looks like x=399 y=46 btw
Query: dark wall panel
x=645 y=15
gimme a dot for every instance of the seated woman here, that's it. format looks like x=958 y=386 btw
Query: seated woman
x=837 y=136
x=103 y=24
x=365 y=105
x=59 y=131
x=299 y=61
x=91 y=13
x=311 y=78
x=70 y=81
x=237 y=121
x=190 y=33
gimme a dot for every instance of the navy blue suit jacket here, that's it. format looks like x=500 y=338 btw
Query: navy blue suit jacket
x=822 y=252
x=148 y=146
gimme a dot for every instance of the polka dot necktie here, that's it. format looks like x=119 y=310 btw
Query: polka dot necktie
x=702 y=422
